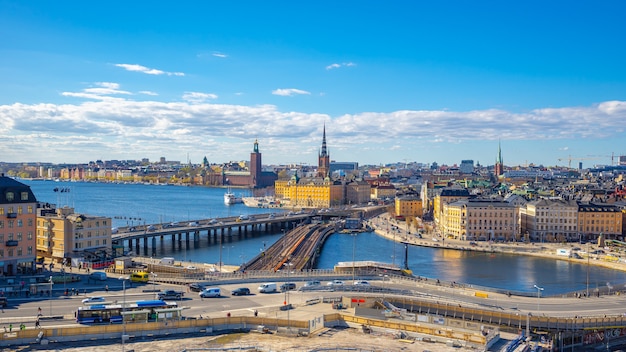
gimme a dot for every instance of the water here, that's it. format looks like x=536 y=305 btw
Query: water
x=131 y=204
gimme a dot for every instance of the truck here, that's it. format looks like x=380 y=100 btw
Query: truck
x=170 y=294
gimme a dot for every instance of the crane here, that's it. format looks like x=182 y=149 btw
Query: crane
x=570 y=158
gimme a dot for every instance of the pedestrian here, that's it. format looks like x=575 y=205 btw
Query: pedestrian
x=37 y=325
x=39 y=311
x=10 y=327
x=256 y=313
x=106 y=288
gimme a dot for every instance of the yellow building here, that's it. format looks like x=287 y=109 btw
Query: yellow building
x=596 y=219
x=17 y=227
x=446 y=196
x=61 y=233
x=309 y=192
x=480 y=219
x=408 y=207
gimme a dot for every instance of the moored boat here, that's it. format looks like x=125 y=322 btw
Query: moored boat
x=230 y=198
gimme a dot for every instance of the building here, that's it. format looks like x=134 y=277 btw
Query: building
x=63 y=234
x=408 y=206
x=499 y=166
x=480 y=219
x=446 y=196
x=599 y=219
x=315 y=192
x=323 y=164
x=17 y=227
x=467 y=166
x=357 y=192
x=255 y=177
x=550 y=220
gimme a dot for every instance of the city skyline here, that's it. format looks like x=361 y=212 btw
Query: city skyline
x=401 y=82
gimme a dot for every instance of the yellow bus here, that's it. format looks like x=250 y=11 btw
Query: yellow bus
x=141 y=276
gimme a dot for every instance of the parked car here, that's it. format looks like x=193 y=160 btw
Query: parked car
x=95 y=299
x=335 y=283
x=240 y=291
x=210 y=292
x=196 y=287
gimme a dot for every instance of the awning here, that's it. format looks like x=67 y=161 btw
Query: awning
x=165 y=310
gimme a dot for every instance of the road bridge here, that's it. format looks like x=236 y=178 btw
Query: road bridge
x=144 y=237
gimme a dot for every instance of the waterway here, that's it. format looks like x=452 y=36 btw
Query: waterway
x=132 y=204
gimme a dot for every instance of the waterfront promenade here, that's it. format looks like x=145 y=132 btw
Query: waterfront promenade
x=614 y=261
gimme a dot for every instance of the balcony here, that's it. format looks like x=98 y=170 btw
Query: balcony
x=12 y=215
x=11 y=243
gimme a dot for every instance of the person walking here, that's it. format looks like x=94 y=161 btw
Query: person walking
x=37 y=325
x=106 y=288
x=39 y=312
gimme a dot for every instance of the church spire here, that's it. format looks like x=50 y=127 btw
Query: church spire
x=324 y=152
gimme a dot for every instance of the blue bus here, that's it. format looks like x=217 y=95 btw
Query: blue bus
x=139 y=311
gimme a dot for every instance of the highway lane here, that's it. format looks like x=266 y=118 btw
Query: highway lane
x=268 y=304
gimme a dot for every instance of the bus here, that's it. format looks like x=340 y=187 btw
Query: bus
x=138 y=312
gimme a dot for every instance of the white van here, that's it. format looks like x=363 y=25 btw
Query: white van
x=167 y=261
x=267 y=287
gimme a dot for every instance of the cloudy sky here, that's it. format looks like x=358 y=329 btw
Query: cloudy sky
x=395 y=81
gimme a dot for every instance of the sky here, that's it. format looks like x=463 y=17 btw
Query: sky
x=394 y=81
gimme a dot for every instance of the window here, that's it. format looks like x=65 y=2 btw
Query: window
x=30 y=222
x=19 y=251
x=24 y=195
x=29 y=250
x=20 y=223
x=19 y=236
x=1 y=224
x=10 y=196
x=29 y=235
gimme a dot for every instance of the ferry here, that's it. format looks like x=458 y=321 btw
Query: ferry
x=262 y=202
x=230 y=198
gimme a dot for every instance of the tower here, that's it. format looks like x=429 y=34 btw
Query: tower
x=323 y=159
x=499 y=167
x=255 y=165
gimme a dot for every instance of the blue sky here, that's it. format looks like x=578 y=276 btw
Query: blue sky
x=392 y=81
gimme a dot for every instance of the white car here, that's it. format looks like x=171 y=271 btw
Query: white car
x=361 y=283
x=96 y=299
x=335 y=283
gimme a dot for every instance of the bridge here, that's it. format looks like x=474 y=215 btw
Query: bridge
x=144 y=237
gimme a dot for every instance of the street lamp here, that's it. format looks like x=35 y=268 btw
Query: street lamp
x=123 y=278
x=539 y=289
x=286 y=303
x=154 y=276
x=353 y=253
x=50 y=295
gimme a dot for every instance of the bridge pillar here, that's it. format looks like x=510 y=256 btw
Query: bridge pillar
x=196 y=239
x=186 y=240
x=145 y=246
x=154 y=246
x=137 y=246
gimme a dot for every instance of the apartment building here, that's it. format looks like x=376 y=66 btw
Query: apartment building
x=64 y=234
x=599 y=219
x=17 y=227
x=408 y=206
x=480 y=219
x=446 y=196
x=550 y=220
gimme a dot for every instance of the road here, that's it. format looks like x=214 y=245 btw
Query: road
x=25 y=310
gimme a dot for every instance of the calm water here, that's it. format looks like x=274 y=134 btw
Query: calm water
x=129 y=204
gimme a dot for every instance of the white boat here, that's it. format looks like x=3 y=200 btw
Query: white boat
x=230 y=198
x=262 y=202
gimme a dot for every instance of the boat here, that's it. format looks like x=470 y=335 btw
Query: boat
x=262 y=202
x=230 y=198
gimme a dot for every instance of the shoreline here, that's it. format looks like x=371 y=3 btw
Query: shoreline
x=541 y=250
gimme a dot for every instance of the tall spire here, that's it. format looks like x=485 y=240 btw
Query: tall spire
x=499 y=161
x=324 y=152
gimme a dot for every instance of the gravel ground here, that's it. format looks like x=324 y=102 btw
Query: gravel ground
x=348 y=338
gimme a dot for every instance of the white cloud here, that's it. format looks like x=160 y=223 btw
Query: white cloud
x=197 y=97
x=147 y=92
x=218 y=54
x=148 y=71
x=112 y=126
x=343 y=64
x=287 y=92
